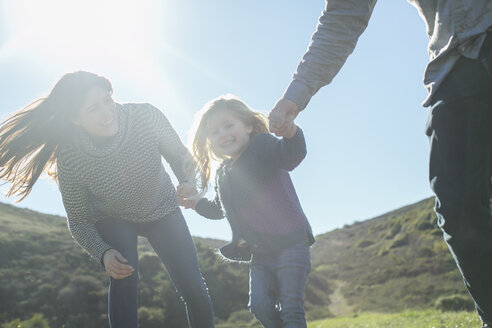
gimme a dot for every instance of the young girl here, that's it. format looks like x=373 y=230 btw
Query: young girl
x=107 y=159
x=254 y=191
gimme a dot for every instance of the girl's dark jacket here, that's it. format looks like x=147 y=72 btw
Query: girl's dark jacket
x=257 y=196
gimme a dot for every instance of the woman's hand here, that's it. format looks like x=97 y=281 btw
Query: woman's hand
x=187 y=195
x=114 y=264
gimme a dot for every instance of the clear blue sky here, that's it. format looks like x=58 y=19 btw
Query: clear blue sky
x=367 y=152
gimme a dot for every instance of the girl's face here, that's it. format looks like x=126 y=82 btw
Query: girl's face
x=227 y=134
x=98 y=114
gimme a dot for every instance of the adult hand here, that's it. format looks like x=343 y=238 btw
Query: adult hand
x=288 y=131
x=282 y=116
x=114 y=264
x=187 y=195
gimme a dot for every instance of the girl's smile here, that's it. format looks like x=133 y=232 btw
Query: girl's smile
x=228 y=136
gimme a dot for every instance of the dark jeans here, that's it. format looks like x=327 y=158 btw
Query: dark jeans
x=171 y=240
x=460 y=134
x=277 y=286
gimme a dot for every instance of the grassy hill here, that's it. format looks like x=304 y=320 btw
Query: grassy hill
x=43 y=271
x=407 y=319
x=394 y=262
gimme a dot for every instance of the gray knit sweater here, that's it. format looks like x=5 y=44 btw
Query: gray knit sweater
x=122 y=177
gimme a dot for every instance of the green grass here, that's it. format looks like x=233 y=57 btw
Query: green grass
x=408 y=319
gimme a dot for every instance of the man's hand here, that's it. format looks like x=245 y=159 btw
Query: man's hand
x=288 y=131
x=114 y=264
x=187 y=195
x=282 y=117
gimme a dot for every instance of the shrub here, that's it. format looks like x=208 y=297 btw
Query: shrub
x=364 y=243
x=37 y=321
x=424 y=225
x=150 y=317
x=240 y=319
x=241 y=316
x=425 y=252
x=399 y=240
x=319 y=312
x=454 y=303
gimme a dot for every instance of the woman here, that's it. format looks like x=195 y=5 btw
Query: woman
x=107 y=160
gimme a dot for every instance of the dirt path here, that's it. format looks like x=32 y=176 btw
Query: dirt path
x=339 y=305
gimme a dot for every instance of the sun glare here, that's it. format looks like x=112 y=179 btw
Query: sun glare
x=79 y=30
x=91 y=34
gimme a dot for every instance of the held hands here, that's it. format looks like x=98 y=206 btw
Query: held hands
x=282 y=117
x=187 y=195
x=288 y=131
x=114 y=264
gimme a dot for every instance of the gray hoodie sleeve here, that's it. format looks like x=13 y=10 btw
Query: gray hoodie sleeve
x=339 y=28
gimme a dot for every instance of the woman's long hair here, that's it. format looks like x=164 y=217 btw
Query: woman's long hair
x=30 y=137
x=203 y=153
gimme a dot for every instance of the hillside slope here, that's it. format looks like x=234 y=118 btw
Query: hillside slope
x=390 y=263
x=394 y=262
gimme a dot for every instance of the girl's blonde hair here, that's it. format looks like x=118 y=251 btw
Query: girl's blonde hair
x=203 y=153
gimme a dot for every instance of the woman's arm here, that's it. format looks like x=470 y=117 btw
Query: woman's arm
x=75 y=201
x=170 y=145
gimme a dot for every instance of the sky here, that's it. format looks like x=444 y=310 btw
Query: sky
x=367 y=151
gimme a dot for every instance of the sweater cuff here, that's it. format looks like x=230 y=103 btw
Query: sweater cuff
x=99 y=254
x=198 y=207
x=299 y=134
x=298 y=92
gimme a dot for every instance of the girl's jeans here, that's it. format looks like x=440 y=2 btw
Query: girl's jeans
x=460 y=134
x=171 y=240
x=277 y=284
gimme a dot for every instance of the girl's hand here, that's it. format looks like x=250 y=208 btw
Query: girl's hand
x=187 y=195
x=114 y=264
x=288 y=131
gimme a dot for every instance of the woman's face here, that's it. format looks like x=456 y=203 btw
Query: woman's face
x=98 y=114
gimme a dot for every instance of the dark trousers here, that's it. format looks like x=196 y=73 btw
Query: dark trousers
x=460 y=134
x=171 y=240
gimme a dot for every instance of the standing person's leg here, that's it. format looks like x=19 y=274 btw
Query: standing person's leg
x=263 y=296
x=460 y=134
x=172 y=242
x=292 y=268
x=122 y=295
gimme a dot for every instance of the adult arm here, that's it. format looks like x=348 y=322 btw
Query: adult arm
x=75 y=201
x=170 y=146
x=339 y=27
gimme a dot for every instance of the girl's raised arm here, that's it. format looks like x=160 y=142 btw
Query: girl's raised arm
x=285 y=153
